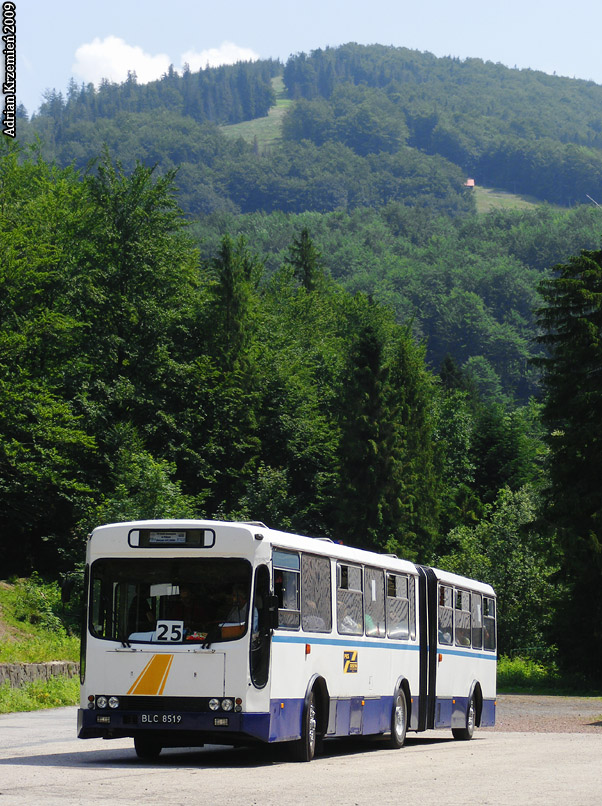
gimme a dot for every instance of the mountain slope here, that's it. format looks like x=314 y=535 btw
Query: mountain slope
x=341 y=128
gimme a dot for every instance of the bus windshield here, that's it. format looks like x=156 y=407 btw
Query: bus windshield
x=167 y=601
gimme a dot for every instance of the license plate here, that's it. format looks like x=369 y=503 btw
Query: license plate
x=160 y=719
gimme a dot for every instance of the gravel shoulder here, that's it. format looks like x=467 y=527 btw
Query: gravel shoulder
x=533 y=713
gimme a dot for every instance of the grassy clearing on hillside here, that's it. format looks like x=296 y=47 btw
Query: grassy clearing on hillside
x=263 y=131
x=491 y=199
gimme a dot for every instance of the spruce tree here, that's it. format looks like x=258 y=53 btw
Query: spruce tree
x=230 y=425
x=305 y=259
x=572 y=377
x=387 y=498
x=414 y=488
x=364 y=449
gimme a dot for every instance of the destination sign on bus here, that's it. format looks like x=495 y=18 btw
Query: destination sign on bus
x=172 y=538
x=167 y=537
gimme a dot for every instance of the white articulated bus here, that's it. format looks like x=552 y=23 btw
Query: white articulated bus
x=232 y=633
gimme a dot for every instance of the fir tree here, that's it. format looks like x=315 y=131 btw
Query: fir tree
x=572 y=325
x=364 y=450
x=305 y=259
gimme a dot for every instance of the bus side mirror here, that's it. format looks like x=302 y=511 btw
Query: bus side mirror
x=273 y=611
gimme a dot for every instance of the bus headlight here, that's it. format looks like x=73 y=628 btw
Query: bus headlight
x=101 y=702
x=214 y=704
x=227 y=704
x=113 y=702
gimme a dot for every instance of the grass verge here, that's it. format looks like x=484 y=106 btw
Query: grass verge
x=55 y=693
x=40 y=649
x=32 y=630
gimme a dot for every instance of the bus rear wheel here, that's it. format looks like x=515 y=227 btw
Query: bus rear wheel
x=147 y=747
x=467 y=732
x=304 y=749
x=399 y=720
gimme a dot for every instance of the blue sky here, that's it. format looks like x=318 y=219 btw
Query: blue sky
x=86 y=40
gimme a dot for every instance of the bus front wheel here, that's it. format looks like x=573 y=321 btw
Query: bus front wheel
x=399 y=720
x=147 y=747
x=304 y=749
x=467 y=731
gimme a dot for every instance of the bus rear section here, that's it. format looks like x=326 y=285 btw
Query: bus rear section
x=458 y=653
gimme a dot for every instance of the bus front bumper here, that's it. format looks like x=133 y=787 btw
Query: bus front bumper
x=216 y=728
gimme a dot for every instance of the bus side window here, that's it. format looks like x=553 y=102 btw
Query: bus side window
x=316 y=598
x=374 y=602
x=398 y=606
x=488 y=623
x=350 y=617
x=446 y=614
x=463 y=636
x=477 y=620
x=286 y=587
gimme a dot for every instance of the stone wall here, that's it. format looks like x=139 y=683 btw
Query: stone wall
x=19 y=674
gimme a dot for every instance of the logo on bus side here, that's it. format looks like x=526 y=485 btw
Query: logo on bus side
x=349 y=660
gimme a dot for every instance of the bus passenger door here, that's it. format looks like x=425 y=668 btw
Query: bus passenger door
x=261 y=628
x=427 y=619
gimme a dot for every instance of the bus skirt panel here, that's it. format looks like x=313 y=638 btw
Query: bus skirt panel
x=355 y=715
x=348 y=717
x=451 y=712
x=488 y=714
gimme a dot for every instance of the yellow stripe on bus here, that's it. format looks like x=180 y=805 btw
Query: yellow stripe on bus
x=153 y=677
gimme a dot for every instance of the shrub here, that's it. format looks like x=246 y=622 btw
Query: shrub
x=37 y=602
x=525 y=674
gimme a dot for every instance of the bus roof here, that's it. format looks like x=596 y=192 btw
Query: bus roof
x=459 y=581
x=289 y=541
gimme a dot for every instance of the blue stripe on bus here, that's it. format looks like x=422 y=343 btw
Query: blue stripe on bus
x=357 y=642
x=465 y=653
x=299 y=639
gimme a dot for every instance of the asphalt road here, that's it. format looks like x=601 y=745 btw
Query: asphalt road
x=42 y=762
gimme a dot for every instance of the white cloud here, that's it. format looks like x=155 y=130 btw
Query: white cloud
x=227 y=53
x=112 y=57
